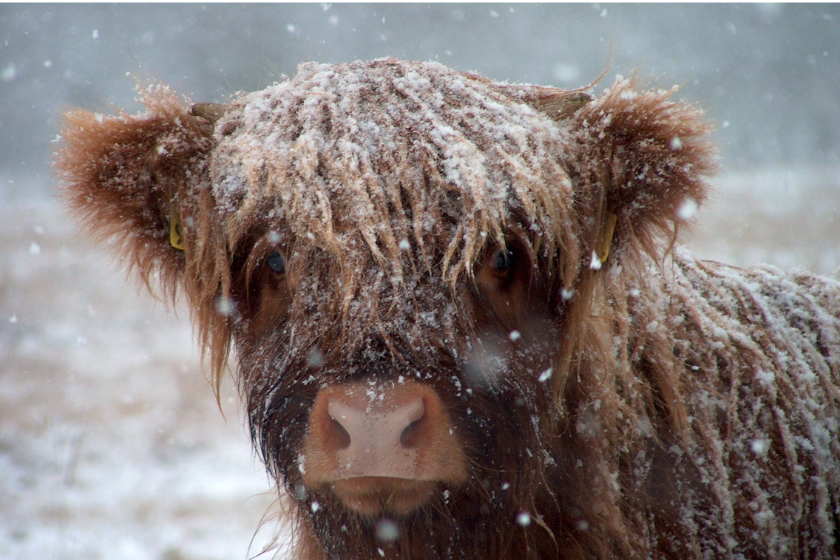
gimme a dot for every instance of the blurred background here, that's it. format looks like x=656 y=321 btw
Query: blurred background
x=111 y=442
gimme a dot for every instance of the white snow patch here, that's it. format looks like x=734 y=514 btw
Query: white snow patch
x=387 y=531
x=766 y=378
x=224 y=306
x=566 y=72
x=675 y=144
x=759 y=446
x=687 y=209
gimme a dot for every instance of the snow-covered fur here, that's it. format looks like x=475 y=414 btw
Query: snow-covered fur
x=510 y=248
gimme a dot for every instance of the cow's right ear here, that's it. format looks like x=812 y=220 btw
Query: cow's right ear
x=141 y=184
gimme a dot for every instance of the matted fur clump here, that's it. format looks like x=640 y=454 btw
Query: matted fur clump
x=463 y=327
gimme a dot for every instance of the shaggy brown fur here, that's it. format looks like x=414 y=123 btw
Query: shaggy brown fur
x=378 y=221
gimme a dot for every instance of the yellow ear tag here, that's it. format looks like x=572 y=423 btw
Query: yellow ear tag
x=606 y=240
x=176 y=236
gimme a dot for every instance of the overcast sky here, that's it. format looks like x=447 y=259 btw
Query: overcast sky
x=769 y=75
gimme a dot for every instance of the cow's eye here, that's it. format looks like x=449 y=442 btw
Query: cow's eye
x=502 y=260
x=277 y=262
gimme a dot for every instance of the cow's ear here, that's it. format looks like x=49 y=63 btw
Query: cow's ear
x=138 y=182
x=638 y=161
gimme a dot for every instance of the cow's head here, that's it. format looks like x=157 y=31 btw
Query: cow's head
x=411 y=264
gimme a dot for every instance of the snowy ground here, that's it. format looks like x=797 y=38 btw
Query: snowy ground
x=786 y=217
x=111 y=443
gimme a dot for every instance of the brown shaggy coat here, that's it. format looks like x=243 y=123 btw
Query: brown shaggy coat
x=507 y=253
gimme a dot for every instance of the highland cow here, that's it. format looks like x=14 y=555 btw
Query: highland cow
x=464 y=329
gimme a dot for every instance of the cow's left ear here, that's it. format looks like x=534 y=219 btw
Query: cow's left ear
x=136 y=181
x=638 y=161
x=142 y=183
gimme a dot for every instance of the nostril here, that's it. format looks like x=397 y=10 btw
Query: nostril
x=340 y=425
x=413 y=412
x=410 y=436
x=339 y=435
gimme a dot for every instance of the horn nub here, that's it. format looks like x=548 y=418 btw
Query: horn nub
x=211 y=112
x=559 y=104
x=562 y=104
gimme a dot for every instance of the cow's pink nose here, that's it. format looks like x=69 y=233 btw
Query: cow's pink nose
x=361 y=436
x=370 y=431
x=381 y=447
x=375 y=428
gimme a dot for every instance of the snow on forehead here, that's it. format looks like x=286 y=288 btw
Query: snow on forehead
x=341 y=134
